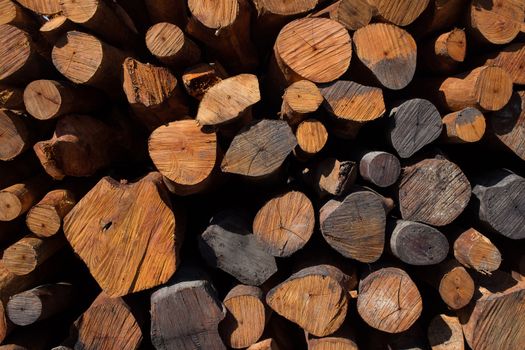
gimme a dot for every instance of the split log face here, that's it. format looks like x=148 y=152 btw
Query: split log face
x=185 y=314
x=260 y=149
x=24 y=256
x=45 y=218
x=17 y=199
x=127 y=234
x=246 y=317
x=501 y=200
x=433 y=191
x=355 y=227
x=300 y=99
x=313 y=298
x=14 y=134
x=311 y=137
x=389 y=300
x=399 y=12
x=508 y=124
x=285 y=223
x=43 y=7
x=467 y=125
x=389 y=52
x=445 y=333
x=380 y=168
x=334 y=177
x=199 y=79
x=475 y=251
x=511 y=59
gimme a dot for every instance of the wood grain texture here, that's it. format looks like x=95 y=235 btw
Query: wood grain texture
x=445 y=333
x=311 y=136
x=25 y=255
x=508 y=124
x=343 y=339
x=333 y=177
x=17 y=199
x=12 y=13
x=399 y=12
x=169 y=45
x=353 y=14
x=15 y=134
x=380 y=168
x=199 y=79
x=467 y=125
x=43 y=7
x=299 y=100
x=511 y=59
x=473 y=250
x=44 y=219
x=444 y=53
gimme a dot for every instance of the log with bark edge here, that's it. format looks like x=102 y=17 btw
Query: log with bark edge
x=11 y=97
x=12 y=13
x=153 y=93
x=314 y=298
x=267 y=344
x=334 y=177
x=173 y=147
x=57 y=26
x=495 y=21
x=508 y=124
x=185 y=313
x=511 y=59
x=169 y=45
x=171 y=11
x=199 y=79
x=48 y=99
x=44 y=219
x=500 y=203
x=225 y=30
x=300 y=99
x=445 y=53
x=399 y=12
x=380 y=168
x=246 y=316
x=353 y=14
x=39 y=303
x=219 y=246
x=433 y=191
x=311 y=136
x=133 y=234
x=389 y=52
x=473 y=250
x=43 y=7
x=445 y=333
x=260 y=149
x=15 y=134
x=355 y=226
x=285 y=223
x=389 y=300
x=17 y=199
x=467 y=125
x=418 y=244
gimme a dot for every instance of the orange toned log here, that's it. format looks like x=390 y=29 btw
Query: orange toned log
x=445 y=333
x=388 y=300
x=245 y=318
x=300 y=99
x=12 y=13
x=11 y=97
x=127 y=234
x=153 y=93
x=15 y=135
x=169 y=45
x=15 y=200
x=511 y=59
x=314 y=298
x=353 y=14
x=199 y=79
x=334 y=177
x=45 y=218
x=433 y=191
x=171 y=11
x=389 y=52
x=267 y=344
x=57 y=26
x=467 y=125
x=311 y=137
x=508 y=124
x=27 y=254
x=445 y=53
x=342 y=339
x=475 y=251
x=224 y=26
x=173 y=149
x=285 y=223
x=399 y=12
x=43 y=7
x=380 y=168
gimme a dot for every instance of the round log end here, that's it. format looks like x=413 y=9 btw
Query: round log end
x=15 y=50
x=224 y=12
x=10 y=206
x=456 y=288
x=494 y=88
x=380 y=168
x=164 y=40
x=24 y=309
x=79 y=12
x=42 y=99
x=14 y=135
x=311 y=136
x=43 y=220
x=20 y=258
x=400 y=12
x=303 y=97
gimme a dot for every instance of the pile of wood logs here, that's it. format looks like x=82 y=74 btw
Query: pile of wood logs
x=262 y=174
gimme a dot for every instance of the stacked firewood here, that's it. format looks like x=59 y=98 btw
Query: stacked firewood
x=262 y=174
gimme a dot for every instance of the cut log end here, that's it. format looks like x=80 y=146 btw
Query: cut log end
x=496 y=23
x=494 y=88
x=474 y=250
x=467 y=125
x=15 y=49
x=45 y=218
x=311 y=136
x=299 y=99
x=380 y=168
x=14 y=134
x=42 y=99
x=10 y=206
x=168 y=43
x=399 y=12
x=456 y=287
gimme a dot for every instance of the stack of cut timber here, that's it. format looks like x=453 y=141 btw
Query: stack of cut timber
x=262 y=174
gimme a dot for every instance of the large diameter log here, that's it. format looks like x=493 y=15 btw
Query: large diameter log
x=169 y=45
x=445 y=53
x=260 y=149
x=399 y=12
x=15 y=136
x=389 y=300
x=219 y=245
x=389 y=52
x=433 y=191
x=475 y=251
x=355 y=226
x=153 y=92
x=380 y=168
x=314 y=298
x=285 y=223
x=44 y=219
x=24 y=256
x=171 y=11
x=17 y=199
x=43 y=7
x=508 y=124
x=511 y=59
x=445 y=333
x=467 y=125
x=353 y=14
x=300 y=99
x=199 y=79
x=12 y=13
x=500 y=203
x=127 y=234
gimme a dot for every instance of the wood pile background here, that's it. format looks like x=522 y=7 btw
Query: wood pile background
x=262 y=174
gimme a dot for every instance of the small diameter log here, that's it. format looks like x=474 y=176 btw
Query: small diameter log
x=399 y=12
x=12 y=13
x=433 y=191
x=299 y=100
x=225 y=30
x=171 y=11
x=353 y=14
x=229 y=100
x=48 y=99
x=475 y=251
x=39 y=303
x=186 y=314
x=508 y=124
x=445 y=333
x=511 y=59
x=173 y=149
x=389 y=52
x=334 y=177
x=311 y=137
x=285 y=223
x=500 y=203
x=484 y=88
x=260 y=149
x=24 y=256
x=267 y=344
x=42 y=7
x=355 y=226
x=107 y=324
x=17 y=199
x=199 y=79
x=314 y=298
x=45 y=218
x=245 y=317
x=84 y=59
x=219 y=246
x=15 y=135
x=11 y=97
x=495 y=22
x=57 y=26
x=445 y=53
x=418 y=244
x=127 y=234
x=380 y=168
x=467 y=125
x=169 y=45
x=389 y=300
x=153 y=93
